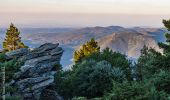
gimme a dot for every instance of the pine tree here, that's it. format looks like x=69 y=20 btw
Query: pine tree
x=166 y=46
x=12 y=40
x=167 y=25
x=86 y=49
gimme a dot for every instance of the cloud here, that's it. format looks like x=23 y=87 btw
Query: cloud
x=87 y=6
x=39 y=12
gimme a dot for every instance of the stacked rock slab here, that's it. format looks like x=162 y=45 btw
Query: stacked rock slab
x=38 y=71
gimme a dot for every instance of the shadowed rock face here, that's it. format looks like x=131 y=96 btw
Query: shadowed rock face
x=37 y=73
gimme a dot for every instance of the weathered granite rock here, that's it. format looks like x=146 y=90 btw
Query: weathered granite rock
x=31 y=84
x=38 y=72
x=46 y=47
x=44 y=50
x=17 y=53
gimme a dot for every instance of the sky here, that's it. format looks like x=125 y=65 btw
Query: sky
x=81 y=13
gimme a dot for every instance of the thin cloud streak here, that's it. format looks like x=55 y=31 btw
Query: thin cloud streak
x=80 y=20
x=84 y=12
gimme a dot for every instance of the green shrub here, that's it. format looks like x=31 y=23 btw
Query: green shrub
x=11 y=89
x=135 y=91
x=79 y=98
x=89 y=79
x=116 y=59
x=11 y=67
x=8 y=89
x=149 y=63
x=93 y=78
x=93 y=75
x=96 y=99
x=125 y=91
x=2 y=57
x=12 y=98
x=84 y=98
x=64 y=83
x=161 y=81
x=57 y=67
x=118 y=74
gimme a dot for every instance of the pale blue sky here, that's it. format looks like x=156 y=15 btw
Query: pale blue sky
x=70 y=13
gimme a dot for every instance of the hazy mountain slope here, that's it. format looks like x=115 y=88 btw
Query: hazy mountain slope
x=156 y=33
x=128 y=43
x=78 y=36
x=114 y=42
x=126 y=40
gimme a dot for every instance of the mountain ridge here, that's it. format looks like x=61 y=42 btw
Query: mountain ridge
x=126 y=40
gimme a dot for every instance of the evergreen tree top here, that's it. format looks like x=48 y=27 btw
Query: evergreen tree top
x=12 y=28
x=167 y=24
x=166 y=46
x=86 y=49
x=12 y=25
x=13 y=40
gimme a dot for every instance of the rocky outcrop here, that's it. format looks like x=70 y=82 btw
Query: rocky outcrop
x=17 y=53
x=38 y=70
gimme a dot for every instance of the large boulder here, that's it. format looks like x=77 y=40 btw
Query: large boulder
x=17 y=53
x=38 y=70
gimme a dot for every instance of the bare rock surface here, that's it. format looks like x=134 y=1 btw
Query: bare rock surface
x=38 y=70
